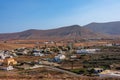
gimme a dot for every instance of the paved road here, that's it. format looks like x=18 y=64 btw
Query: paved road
x=64 y=71
x=57 y=69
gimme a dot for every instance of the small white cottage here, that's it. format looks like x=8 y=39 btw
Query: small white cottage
x=60 y=56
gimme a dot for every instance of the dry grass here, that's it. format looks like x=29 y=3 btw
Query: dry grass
x=12 y=44
x=8 y=46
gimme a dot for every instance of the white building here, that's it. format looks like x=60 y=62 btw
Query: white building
x=109 y=45
x=60 y=56
x=38 y=54
x=87 y=51
x=8 y=68
x=4 y=55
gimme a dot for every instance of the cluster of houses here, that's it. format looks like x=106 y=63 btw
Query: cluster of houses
x=6 y=60
x=7 y=57
x=112 y=44
x=59 y=54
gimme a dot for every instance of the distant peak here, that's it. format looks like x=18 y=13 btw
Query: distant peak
x=72 y=26
x=75 y=26
x=105 y=22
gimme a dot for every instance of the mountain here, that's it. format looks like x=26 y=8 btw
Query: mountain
x=112 y=28
x=68 y=32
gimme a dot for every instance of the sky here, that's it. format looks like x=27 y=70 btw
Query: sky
x=20 y=15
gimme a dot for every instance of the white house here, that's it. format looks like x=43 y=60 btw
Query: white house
x=8 y=68
x=60 y=56
x=109 y=45
x=4 y=55
x=73 y=56
x=38 y=54
x=87 y=51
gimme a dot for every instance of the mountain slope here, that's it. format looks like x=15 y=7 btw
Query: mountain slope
x=112 y=28
x=68 y=32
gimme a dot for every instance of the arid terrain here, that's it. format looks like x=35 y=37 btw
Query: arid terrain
x=49 y=73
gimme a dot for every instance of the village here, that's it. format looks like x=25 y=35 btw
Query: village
x=94 y=60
